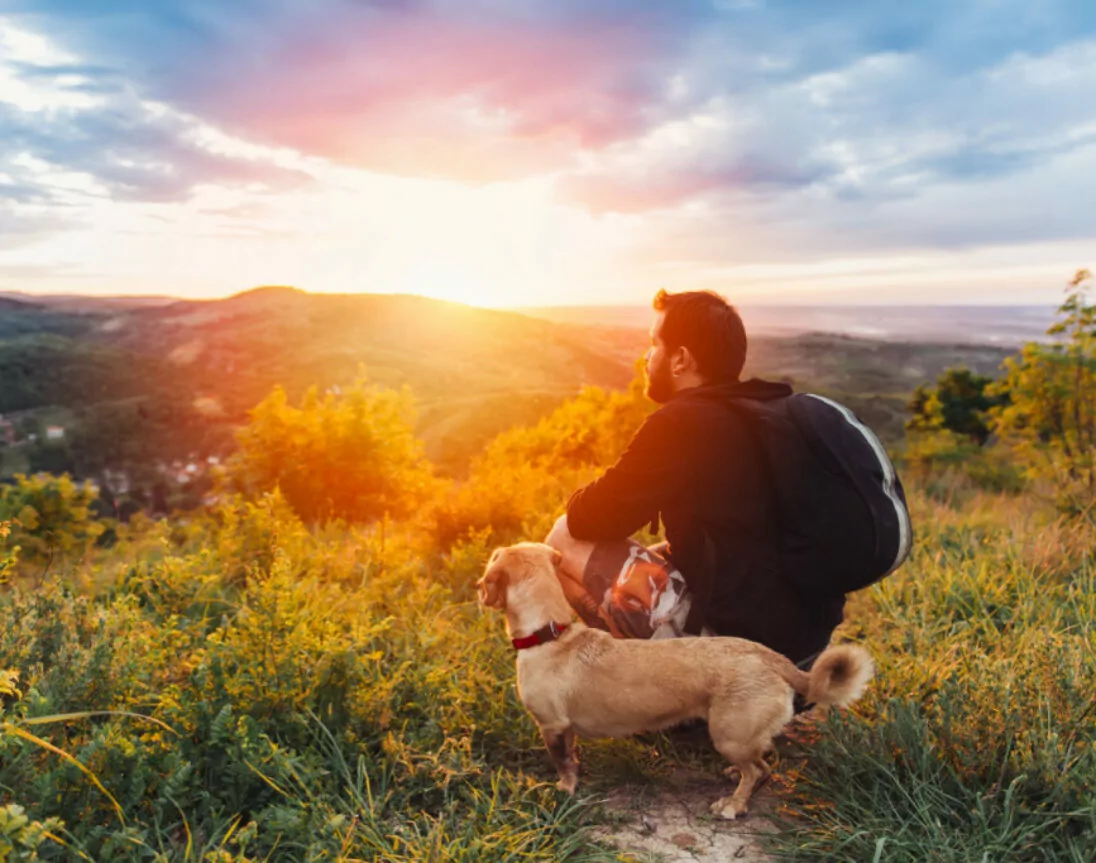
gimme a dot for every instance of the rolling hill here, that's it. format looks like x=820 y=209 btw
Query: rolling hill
x=184 y=373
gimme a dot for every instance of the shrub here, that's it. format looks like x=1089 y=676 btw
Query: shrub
x=1050 y=420
x=9 y=553
x=521 y=483
x=49 y=517
x=312 y=712
x=349 y=456
x=959 y=403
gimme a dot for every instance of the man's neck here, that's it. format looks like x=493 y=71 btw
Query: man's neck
x=688 y=381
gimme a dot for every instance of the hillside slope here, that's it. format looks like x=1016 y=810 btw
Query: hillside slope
x=474 y=372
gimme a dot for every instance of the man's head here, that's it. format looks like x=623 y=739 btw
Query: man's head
x=697 y=338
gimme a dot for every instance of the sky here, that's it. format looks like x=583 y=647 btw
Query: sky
x=556 y=152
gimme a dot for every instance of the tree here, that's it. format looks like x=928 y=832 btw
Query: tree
x=1050 y=420
x=960 y=403
x=350 y=456
x=48 y=516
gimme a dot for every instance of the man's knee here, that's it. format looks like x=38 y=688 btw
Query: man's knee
x=559 y=537
x=576 y=552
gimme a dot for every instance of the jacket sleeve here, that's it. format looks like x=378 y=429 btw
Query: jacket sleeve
x=632 y=492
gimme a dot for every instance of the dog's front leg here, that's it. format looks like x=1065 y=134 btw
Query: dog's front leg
x=561 y=746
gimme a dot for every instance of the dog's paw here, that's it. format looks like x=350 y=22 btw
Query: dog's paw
x=568 y=784
x=729 y=808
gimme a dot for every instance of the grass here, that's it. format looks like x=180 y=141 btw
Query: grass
x=975 y=741
x=312 y=717
x=336 y=695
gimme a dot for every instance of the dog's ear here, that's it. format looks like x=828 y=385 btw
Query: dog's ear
x=492 y=587
x=557 y=556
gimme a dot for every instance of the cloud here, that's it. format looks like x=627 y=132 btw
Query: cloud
x=72 y=129
x=891 y=149
x=484 y=91
x=713 y=130
x=22 y=226
x=131 y=151
x=474 y=91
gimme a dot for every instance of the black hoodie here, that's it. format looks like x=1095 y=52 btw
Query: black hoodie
x=697 y=465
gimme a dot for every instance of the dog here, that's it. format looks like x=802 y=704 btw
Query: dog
x=578 y=681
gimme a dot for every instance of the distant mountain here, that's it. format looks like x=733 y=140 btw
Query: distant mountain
x=10 y=304
x=184 y=373
x=86 y=304
x=474 y=372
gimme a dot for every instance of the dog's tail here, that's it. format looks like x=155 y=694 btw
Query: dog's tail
x=839 y=676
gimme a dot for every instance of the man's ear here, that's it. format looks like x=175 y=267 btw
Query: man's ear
x=682 y=360
x=492 y=587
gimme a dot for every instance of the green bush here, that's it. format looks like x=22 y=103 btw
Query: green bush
x=959 y=403
x=312 y=715
x=49 y=517
x=1050 y=418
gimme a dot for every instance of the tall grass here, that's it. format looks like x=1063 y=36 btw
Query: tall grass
x=320 y=707
x=975 y=741
x=334 y=694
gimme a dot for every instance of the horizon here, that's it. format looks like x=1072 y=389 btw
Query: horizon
x=632 y=304
x=985 y=324
x=549 y=154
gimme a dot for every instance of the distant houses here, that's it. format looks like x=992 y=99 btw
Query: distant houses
x=10 y=434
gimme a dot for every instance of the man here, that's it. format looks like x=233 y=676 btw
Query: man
x=697 y=465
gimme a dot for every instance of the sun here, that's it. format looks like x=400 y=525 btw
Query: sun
x=489 y=246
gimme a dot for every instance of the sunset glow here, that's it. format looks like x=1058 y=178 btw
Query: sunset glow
x=545 y=155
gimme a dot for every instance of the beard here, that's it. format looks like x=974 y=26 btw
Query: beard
x=660 y=385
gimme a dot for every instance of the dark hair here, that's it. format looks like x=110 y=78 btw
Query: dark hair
x=709 y=327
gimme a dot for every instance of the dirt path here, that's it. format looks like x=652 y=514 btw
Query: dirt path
x=671 y=823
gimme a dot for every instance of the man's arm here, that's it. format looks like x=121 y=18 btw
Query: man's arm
x=630 y=494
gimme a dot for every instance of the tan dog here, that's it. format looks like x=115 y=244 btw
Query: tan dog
x=584 y=682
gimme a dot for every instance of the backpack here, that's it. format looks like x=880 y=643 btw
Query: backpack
x=844 y=523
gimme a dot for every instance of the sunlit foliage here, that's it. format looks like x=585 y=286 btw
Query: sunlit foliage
x=350 y=456
x=9 y=552
x=49 y=517
x=522 y=481
x=314 y=713
x=1050 y=419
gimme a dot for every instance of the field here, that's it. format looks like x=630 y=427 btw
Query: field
x=286 y=674
x=233 y=685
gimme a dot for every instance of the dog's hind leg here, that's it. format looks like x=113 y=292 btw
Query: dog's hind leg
x=752 y=772
x=561 y=746
x=744 y=747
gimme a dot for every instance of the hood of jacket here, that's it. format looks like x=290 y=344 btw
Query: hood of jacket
x=754 y=389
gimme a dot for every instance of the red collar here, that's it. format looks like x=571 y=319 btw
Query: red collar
x=542 y=636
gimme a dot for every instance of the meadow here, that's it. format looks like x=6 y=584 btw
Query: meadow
x=301 y=672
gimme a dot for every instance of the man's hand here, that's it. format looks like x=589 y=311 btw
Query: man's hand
x=587 y=607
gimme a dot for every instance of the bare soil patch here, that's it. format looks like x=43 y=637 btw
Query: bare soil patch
x=670 y=822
